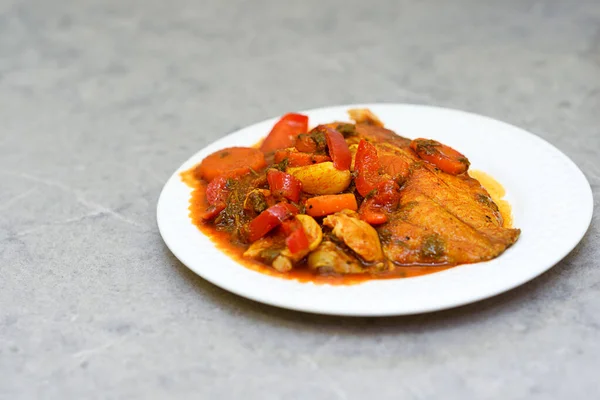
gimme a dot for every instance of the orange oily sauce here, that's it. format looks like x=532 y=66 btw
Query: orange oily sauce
x=497 y=192
x=301 y=272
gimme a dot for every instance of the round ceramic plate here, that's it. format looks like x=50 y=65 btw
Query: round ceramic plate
x=550 y=197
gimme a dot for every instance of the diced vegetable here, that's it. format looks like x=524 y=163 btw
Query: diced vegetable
x=306 y=144
x=353 y=149
x=231 y=162
x=298 y=159
x=216 y=196
x=317 y=134
x=375 y=208
x=296 y=240
x=313 y=231
x=270 y=219
x=284 y=185
x=322 y=178
x=338 y=149
x=366 y=165
x=444 y=157
x=372 y=213
x=212 y=211
x=323 y=205
x=388 y=194
x=284 y=132
x=216 y=191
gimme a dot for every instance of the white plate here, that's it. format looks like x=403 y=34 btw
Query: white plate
x=551 y=199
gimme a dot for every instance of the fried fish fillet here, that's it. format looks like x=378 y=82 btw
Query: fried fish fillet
x=442 y=219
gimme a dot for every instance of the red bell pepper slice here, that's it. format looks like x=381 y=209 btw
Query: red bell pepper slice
x=366 y=165
x=284 y=132
x=444 y=157
x=282 y=184
x=388 y=194
x=296 y=239
x=216 y=196
x=216 y=190
x=270 y=219
x=212 y=211
x=338 y=149
x=373 y=210
x=371 y=213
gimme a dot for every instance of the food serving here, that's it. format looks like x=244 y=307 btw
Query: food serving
x=351 y=200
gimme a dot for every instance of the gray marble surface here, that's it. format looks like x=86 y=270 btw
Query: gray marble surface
x=100 y=100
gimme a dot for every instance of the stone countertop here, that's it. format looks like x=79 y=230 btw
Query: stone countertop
x=101 y=100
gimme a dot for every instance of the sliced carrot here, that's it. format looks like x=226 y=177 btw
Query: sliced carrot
x=444 y=157
x=323 y=205
x=298 y=159
x=212 y=211
x=231 y=162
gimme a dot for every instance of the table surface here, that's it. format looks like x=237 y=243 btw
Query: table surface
x=101 y=100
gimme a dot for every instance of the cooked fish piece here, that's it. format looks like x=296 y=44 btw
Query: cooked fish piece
x=364 y=116
x=442 y=219
x=358 y=235
x=265 y=249
x=313 y=231
x=282 y=264
x=271 y=250
x=329 y=258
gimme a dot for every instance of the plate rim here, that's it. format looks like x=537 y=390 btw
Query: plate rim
x=238 y=290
